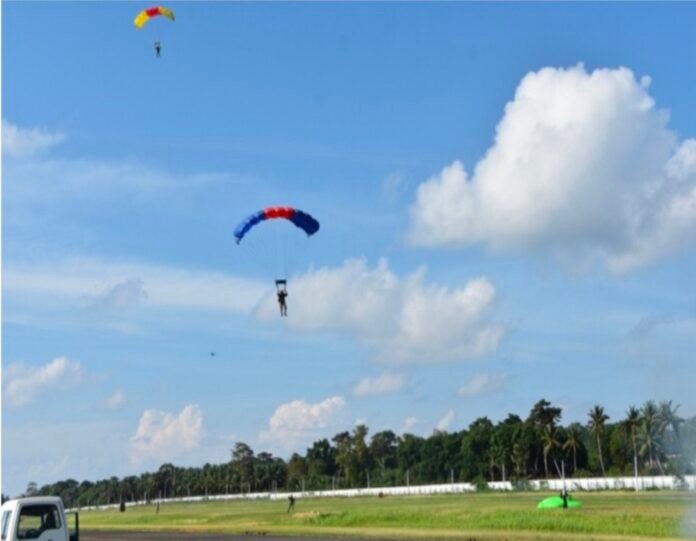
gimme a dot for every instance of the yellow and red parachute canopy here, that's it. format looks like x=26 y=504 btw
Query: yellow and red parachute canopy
x=145 y=15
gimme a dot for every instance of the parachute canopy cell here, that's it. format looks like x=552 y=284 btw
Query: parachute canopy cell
x=145 y=15
x=301 y=219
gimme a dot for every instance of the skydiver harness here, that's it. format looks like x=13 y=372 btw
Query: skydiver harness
x=282 y=292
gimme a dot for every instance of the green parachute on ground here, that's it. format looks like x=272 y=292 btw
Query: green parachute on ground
x=556 y=502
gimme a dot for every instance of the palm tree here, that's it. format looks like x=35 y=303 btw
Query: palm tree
x=630 y=427
x=651 y=435
x=166 y=479
x=596 y=426
x=670 y=419
x=520 y=456
x=549 y=440
x=573 y=442
x=500 y=452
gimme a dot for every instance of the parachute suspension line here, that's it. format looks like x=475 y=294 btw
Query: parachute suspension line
x=262 y=260
x=287 y=242
x=295 y=250
x=280 y=258
x=299 y=219
x=143 y=18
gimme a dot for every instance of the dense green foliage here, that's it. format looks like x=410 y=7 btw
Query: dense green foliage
x=650 y=440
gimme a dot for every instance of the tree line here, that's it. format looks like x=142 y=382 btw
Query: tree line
x=650 y=440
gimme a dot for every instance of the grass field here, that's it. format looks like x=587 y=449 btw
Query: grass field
x=604 y=516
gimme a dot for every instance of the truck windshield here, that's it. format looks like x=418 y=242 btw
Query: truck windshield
x=5 y=523
x=36 y=519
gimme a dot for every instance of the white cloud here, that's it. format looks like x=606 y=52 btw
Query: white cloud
x=403 y=319
x=298 y=420
x=24 y=142
x=48 y=180
x=444 y=423
x=482 y=384
x=102 y=283
x=394 y=186
x=164 y=436
x=125 y=294
x=24 y=383
x=384 y=383
x=583 y=167
x=410 y=422
x=648 y=324
x=115 y=401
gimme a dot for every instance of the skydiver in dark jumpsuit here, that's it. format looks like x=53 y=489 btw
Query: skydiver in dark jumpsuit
x=282 y=294
x=158 y=48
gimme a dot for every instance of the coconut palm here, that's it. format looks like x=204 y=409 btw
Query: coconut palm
x=520 y=455
x=630 y=426
x=651 y=434
x=596 y=425
x=670 y=419
x=573 y=442
x=549 y=441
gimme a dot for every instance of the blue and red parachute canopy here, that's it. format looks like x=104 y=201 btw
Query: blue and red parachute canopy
x=301 y=219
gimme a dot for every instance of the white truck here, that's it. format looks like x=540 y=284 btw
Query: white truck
x=41 y=518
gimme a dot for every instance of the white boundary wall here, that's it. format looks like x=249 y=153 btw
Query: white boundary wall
x=658 y=482
x=664 y=482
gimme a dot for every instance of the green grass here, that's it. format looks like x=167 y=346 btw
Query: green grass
x=604 y=516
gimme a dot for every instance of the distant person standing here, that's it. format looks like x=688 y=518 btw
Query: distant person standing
x=291 y=503
x=564 y=497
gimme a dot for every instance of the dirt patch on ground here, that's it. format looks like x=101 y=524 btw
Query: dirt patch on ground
x=306 y=514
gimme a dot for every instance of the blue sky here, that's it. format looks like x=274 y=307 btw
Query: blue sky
x=507 y=196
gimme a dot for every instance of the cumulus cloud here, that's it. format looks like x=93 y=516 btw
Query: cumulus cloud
x=164 y=436
x=583 y=167
x=24 y=142
x=444 y=423
x=384 y=383
x=394 y=186
x=126 y=294
x=298 y=420
x=410 y=423
x=24 y=383
x=482 y=384
x=403 y=319
x=115 y=401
